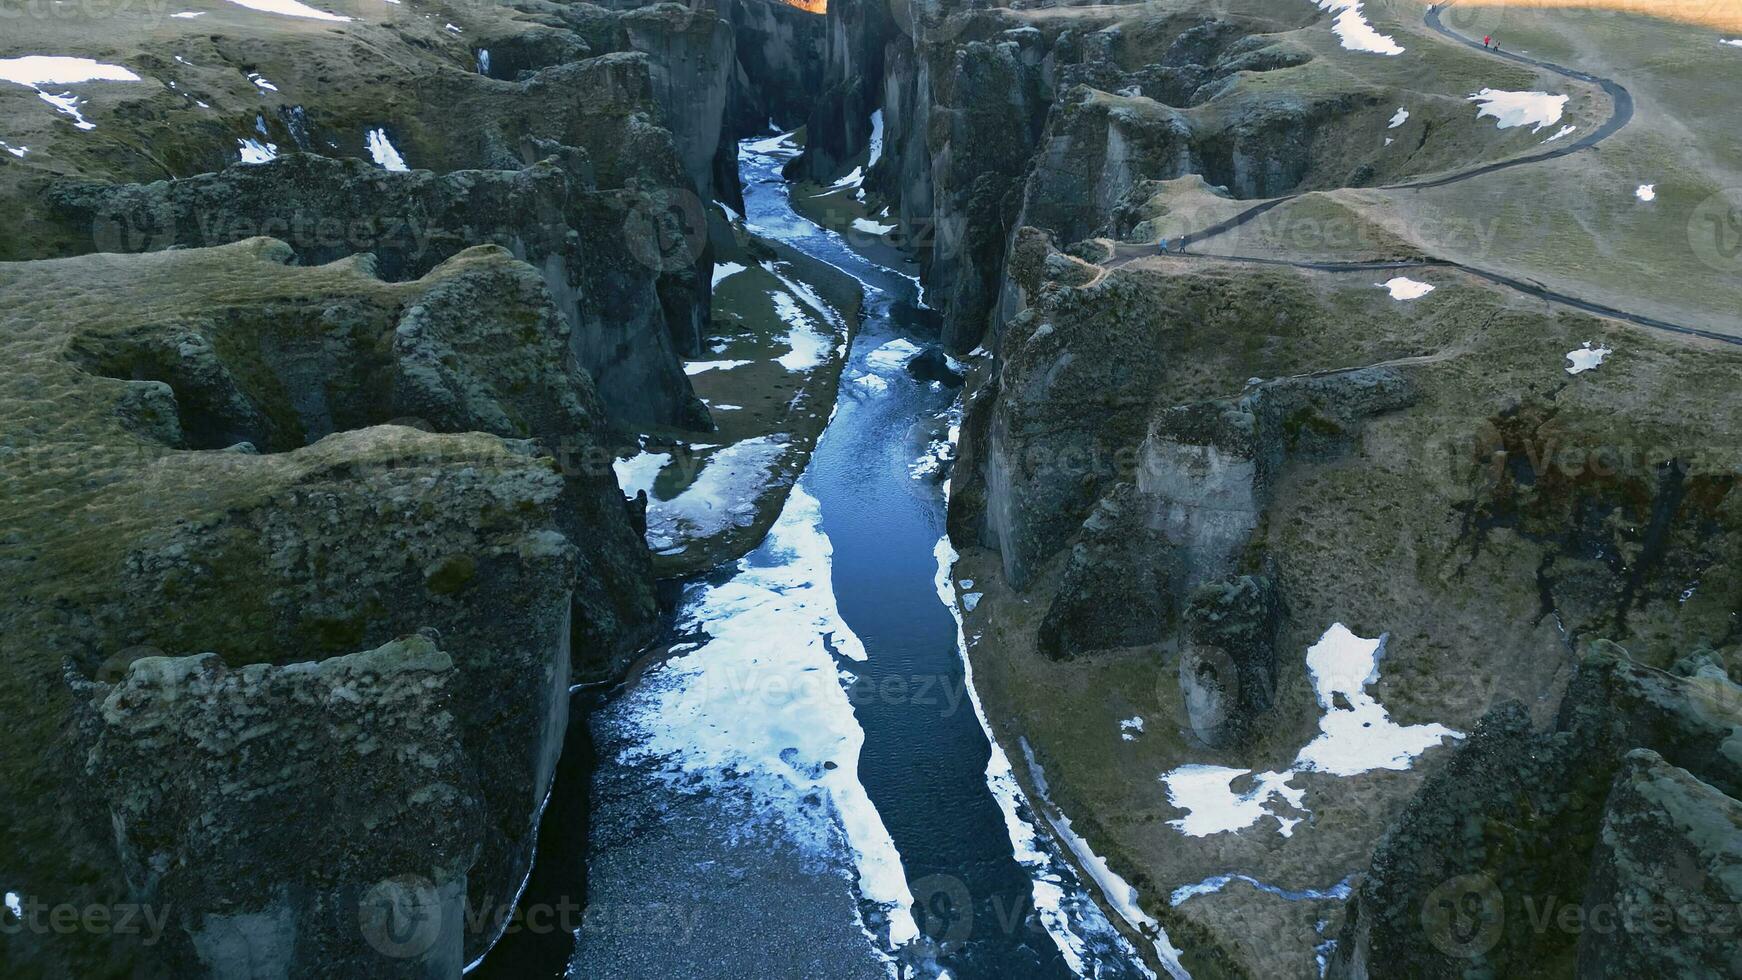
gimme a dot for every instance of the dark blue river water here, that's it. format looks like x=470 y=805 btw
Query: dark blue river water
x=801 y=789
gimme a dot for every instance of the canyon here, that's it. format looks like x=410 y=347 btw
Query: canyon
x=444 y=444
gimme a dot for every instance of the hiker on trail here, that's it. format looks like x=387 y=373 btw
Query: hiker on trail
x=1486 y=40
x=1163 y=247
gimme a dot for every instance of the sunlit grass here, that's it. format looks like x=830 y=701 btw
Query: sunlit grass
x=1720 y=14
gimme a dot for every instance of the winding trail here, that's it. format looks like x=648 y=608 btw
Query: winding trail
x=1621 y=100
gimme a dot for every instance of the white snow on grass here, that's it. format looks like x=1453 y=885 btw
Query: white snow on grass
x=36 y=70
x=15 y=904
x=804 y=292
x=853 y=179
x=1355 y=32
x=871 y=227
x=1115 y=889
x=42 y=69
x=723 y=495
x=1563 y=131
x=290 y=8
x=1130 y=728
x=893 y=354
x=758 y=709
x=1356 y=735
x=383 y=152
x=1732 y=42
x=724 y=270
x=1586 y=358
x=638 y=472
x=1360 y=737
x=17 y=151
x=1212 y=806
x=694 y=368
x=1512 y=109
x=189 y=14
x=1646 y=192
x=450 y=28
x=261 y=83
x=1403 y=288
x=809 y=349
x=1399 y=118
x=254 y=151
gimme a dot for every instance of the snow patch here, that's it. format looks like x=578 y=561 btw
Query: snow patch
x=290 y=8
x=37 y=70
x=1646 y=192
x=876 y=152
x=382 y=151
x=254 y=151
x=1066 y=919
x=1563 y=131
x=1117 y=891
x=871 y=227
x=1356 y=735
x=723 y=495
x=1209 y=886
x=759 y=708
x=723 y=270
x=1512 y=109
x=1401 y=117
x=809 y=348
x=638 y=472
x=1403 y=288
x=1586 y=358
x=1353 y=29
x=694 y=368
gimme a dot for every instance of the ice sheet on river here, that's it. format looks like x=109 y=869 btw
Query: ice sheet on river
x=757 y=712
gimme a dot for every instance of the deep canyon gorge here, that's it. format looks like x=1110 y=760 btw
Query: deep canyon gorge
x=921 y=488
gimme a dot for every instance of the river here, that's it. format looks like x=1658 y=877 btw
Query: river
x=804 y=786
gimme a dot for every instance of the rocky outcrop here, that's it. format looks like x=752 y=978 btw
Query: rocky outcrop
x=547 y=214
x=1668 y=870
x=278 y=810
x=1227 y=668
x=234 y=615
x=1118 y=584
x=1520 y=856
x=781 y=52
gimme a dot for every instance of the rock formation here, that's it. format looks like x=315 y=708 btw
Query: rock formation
x=215 y=528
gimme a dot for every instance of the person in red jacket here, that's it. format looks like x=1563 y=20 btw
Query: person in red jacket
x=1486 y=40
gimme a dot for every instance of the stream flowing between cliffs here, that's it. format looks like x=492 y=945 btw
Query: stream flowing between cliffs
x=803 y=788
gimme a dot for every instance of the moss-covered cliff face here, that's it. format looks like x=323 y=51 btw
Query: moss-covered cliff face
x=138 y=536
x=1061 y=118
x=1176 y=475
x=591 y=142
x=1603 y=845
